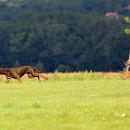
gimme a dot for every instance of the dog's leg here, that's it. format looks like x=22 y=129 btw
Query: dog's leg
x=39 y=79
x=19 y=80
x=32 y=76
x=17 y=77
x=43 y=76
x=8 y=79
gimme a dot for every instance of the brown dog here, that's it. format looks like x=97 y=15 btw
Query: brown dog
x=18 y=72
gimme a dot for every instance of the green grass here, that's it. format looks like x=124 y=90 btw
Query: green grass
x=90 y=103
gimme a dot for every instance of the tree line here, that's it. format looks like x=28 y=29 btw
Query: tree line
x=63 y=41
x=58 y=35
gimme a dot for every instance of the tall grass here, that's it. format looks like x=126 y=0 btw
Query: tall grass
x=74 y=102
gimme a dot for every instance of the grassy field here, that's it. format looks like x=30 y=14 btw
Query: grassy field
x=66 y=102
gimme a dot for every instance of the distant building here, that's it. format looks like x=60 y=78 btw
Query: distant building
x=112 y=15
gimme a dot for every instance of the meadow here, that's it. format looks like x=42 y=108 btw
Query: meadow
x=83 y=101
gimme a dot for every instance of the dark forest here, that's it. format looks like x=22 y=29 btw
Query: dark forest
x=58 y=35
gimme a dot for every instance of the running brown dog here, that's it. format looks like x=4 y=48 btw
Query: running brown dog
x=18 y=72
